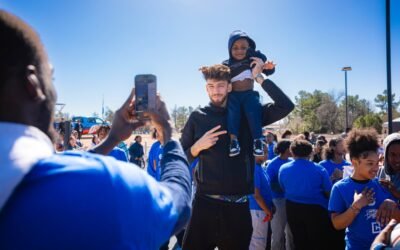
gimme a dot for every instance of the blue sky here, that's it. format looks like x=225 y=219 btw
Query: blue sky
x=98 y=46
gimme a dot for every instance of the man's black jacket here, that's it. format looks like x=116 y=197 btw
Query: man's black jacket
x=217 y=173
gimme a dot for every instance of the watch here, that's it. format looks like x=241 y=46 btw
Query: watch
x=259 y=78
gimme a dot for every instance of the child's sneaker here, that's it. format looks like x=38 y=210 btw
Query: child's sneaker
x=258 y=148
x=234 y=148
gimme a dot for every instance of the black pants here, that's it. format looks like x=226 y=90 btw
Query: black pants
x=310 y=226
x=219 y=224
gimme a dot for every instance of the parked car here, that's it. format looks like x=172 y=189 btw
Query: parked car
x=88 y=122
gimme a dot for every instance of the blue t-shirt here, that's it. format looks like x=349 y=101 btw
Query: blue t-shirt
x=364 y=228
x=273 y=171
x=261 y=181
x=155 y=155
x=79 y=200
x=271 y=153
x=305 y=182
x=330 y=166
x=118 y=154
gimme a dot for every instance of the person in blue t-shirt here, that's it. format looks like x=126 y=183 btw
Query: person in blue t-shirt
x=334 y=159
x=359 y=203
x=270 y=138
x=154 y=158
x=306 y=186
x=281 y=234
x=76 y=200
x=261 y=207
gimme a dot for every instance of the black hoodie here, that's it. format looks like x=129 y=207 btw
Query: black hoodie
x=238 y=67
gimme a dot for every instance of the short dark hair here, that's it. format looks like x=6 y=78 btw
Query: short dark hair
x=20 y=46
x=282 y=146
x=216 y=72
x=301 y=148
x=360 y=142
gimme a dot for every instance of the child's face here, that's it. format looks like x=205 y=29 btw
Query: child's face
x=366 y=167
x=239 y=49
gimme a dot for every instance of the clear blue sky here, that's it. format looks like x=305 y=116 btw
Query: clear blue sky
x=98 y=46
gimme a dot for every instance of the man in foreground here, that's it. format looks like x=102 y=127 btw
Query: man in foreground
x=76 y=200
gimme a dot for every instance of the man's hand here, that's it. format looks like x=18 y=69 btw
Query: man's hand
x=386 y=211
x=206 y=141
x=124 y=121
x=384 y=236
x=160 y=119
x=258 y=66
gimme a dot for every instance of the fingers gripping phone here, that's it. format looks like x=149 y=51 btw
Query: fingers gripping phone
x=145 y=94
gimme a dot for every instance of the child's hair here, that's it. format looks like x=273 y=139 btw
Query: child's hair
x=360 y=142
x=301 y=148
x=329 y=152
x=286 y=133
x=282 y=146
x=216 y=72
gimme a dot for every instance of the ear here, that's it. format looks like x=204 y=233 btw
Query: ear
x=229 y=87
x=33 y=84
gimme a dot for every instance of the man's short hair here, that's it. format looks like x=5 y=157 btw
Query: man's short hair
x=216 y=72
x=301 y=148
x=20 y=46
x=360 y=142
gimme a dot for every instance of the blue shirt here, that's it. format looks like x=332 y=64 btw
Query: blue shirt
x=118 y=154
x=261 y=181
x=273 y=172
x=271 y=153
x=364 y=228
x=155 y=155
x=305 y=182
x=79 y=200
x=330 y=166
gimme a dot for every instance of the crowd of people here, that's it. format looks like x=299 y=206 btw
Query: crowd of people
x=225 y=184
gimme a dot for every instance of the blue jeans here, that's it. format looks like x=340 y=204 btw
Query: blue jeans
x=249 y=102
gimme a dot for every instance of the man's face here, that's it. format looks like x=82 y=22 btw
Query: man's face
x=139 y=139
x=393 y=156
x=270 y=138
x=239 y=49
x=218 y=91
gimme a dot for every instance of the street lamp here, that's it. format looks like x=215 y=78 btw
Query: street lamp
x=345 y=69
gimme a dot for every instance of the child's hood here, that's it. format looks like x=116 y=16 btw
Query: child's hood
x=388 y=140
x=237 y=34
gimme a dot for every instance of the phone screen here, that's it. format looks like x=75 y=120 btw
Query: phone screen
x=145 y=92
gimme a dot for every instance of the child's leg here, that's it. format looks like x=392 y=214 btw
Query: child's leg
x=252 y=109
x=234 y=114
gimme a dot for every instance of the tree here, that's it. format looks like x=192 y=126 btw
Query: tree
x=356 y=107
x=381 y=102
x=369 y=121
x=109 y=114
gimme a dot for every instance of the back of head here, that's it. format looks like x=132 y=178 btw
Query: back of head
x=282 y=146
x=217 y=72
x=22 y=56
x=360 y=142
x=20 y=46
x=301 y=148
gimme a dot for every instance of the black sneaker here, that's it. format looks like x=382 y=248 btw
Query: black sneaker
x=234 y=148
x=258 y=148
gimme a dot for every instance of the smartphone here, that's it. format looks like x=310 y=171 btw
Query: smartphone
x=145 y=94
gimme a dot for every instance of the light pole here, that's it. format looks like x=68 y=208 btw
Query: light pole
x=345 y=69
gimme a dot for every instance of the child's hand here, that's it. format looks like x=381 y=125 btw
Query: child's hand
x=269 y=65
